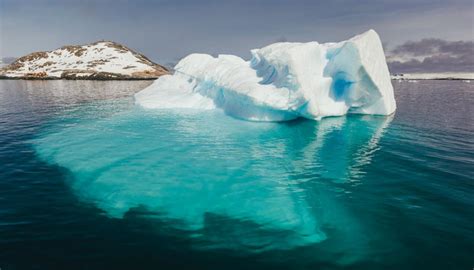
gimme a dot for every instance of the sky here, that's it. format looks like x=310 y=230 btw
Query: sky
x=166 y=31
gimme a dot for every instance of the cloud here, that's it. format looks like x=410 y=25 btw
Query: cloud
x=432 y=55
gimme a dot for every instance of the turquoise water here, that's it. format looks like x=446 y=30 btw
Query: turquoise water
x=89 y=180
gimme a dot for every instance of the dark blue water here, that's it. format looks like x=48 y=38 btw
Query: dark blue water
x=90 y=181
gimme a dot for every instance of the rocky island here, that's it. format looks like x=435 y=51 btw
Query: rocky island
x=102 y=60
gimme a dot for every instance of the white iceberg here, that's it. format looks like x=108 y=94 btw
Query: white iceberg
x=282 y=81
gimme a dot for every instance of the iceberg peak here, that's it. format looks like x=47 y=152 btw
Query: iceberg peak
x=282 y=81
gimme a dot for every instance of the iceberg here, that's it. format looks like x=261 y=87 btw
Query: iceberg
x=282 y=81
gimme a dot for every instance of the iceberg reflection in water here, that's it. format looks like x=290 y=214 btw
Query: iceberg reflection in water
x=227 y=183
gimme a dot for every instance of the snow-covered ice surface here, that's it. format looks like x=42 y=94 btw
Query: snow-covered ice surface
x=282 y=81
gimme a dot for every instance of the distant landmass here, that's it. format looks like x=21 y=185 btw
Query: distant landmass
x=103 y=60
x=434 y=76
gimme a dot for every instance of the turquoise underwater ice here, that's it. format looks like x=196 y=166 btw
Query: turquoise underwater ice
x=270 y=180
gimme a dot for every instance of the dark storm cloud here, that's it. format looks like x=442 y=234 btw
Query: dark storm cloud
x=432 y=55
x=429 y=46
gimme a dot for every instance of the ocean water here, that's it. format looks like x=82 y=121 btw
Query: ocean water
x=88 y=180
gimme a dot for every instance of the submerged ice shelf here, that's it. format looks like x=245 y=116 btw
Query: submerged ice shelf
x=282 y=81
x=225 y=183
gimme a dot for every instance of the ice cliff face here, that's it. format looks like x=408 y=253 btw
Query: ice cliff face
x=282 y=81
x=99 y=60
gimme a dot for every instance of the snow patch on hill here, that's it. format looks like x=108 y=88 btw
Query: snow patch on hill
x=99 y=60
